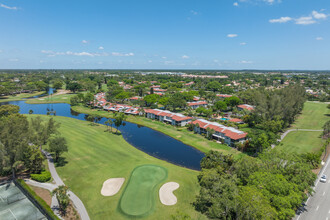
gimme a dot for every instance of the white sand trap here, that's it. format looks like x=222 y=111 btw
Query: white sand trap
x=166 y=193
x=41 y=99
x=112 y=186
x=65 y=98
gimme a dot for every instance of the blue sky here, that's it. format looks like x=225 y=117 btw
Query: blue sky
x=165 y=34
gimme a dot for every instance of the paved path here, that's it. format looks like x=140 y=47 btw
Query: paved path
x=318 y=205
x=50 y=187
x=290 y=130
x=58 y=182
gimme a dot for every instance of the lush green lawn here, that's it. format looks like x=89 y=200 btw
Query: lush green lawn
x=96 y=155
x=314 y=116
x=140 y=195
x=63 y=98
x=19 y=96
x=302 y=142
x=181 y=134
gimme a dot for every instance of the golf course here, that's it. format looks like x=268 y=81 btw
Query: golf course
x=96 y=155
x=313 y=116
x=138 y=198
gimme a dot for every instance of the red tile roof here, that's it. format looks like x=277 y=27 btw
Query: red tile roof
x=197 y=103
x=236 y=120
x=246 y=106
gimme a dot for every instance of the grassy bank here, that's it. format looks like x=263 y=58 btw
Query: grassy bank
x=181 y=134
x=19 y=97
x=96 y=155
x=313 y=116
x=63 y=98
x=302 y=142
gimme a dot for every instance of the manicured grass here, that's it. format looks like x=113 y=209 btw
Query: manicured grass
x=96 y=155
x=302 y=142
x=181 y=134
x=140 y=194
x=314 y=116
x=19 y=96
x=63 y=98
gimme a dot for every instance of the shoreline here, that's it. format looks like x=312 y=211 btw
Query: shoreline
x=204 y=150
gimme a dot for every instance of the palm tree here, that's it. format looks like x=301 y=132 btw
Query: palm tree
x=108 y=122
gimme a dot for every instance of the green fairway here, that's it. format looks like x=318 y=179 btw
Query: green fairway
x=19 y=96
x=302 y=142
x=96 y=155
x=181 y=134
x=314 y=116
x=140 y=194
x=63 y=98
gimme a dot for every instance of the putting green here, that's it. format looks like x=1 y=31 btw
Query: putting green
x=139 y=196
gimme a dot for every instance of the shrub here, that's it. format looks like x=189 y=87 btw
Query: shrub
x=42 y=177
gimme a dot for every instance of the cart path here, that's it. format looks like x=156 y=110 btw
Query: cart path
x=290 y=130
x=78 y=204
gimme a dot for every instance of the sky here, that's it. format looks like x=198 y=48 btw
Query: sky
x=165 y=34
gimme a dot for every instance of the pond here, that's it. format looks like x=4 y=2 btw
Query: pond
x=145 y=139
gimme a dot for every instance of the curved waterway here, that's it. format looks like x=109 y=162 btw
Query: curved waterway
x=143 y=138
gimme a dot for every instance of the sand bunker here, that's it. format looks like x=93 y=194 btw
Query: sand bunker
x=166 y=193
x=112 y=186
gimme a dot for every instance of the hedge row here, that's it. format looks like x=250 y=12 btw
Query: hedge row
x=44 y=176
x=39 y=200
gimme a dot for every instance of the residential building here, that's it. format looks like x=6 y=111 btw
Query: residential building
x=175 y=119
x=245 y=106
x=197 y=104
x=227 y=135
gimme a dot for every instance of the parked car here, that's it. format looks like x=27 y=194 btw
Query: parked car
x=323 y=178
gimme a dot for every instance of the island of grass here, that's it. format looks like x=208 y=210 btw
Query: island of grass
x=181 y=134
x=140 y=195
x=96 y=155
x=19 y=97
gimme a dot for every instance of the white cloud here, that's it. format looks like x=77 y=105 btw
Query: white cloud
x=122 y=54
x=194 y=12
x=319 y=38
x=318 y=15
x=280 y=20
x=168 y=62
x=51 y=53
x=305 y=20
x=185 y=57
x=235 y=4
x=243 y=43
x=13 y=60
x=245 y=62
x=8 y=7
x=84 y=41
x=101 y=48
x=164 y=57
x=232 y=35
x=149 y=61
x=270 y=1
x=0 y=51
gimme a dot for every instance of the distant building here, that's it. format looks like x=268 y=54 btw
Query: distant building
x=245 y=106
x=224 y=95
x=195 y=105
